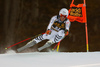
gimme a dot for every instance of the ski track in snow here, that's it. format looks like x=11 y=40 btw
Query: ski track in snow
x=50 y=59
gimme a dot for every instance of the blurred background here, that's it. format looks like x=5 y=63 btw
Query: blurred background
x=22 y=19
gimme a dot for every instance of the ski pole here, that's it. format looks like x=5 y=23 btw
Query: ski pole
x=58 y=44
x=55 y=46
x=24 y=40
x=18 y=43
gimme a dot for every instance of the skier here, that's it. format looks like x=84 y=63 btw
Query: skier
x=57 y=29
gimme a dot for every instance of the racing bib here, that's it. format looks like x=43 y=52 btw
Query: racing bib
x=58 y=26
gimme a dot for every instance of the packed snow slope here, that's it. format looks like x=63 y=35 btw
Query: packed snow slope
x=51 y=59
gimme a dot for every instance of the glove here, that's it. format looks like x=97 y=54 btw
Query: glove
x=66 y=32
x=48 y=32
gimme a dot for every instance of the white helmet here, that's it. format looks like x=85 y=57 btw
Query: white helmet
x=63 y=11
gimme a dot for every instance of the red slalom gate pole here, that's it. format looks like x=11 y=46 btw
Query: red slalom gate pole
x=18 y=43
x=55 y=46
x=87 y=46
x=58 y=44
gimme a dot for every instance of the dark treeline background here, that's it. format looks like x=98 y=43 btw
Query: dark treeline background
x=22 y=19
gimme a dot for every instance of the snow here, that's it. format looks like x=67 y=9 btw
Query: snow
x=50 y=59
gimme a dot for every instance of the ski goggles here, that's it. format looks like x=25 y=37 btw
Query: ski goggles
x=63 y=15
